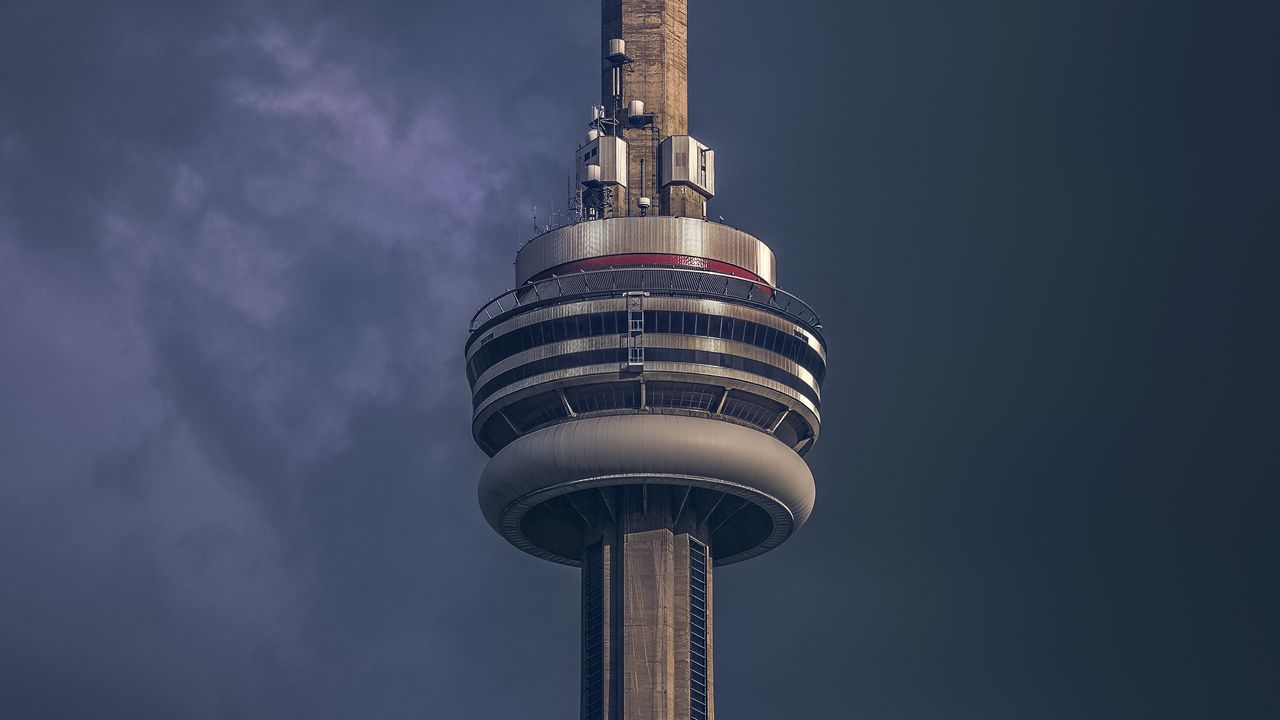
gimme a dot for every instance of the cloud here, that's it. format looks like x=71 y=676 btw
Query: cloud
x=240 y=242
x=237 y=261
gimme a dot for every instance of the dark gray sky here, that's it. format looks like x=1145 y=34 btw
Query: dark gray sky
x=240 y=243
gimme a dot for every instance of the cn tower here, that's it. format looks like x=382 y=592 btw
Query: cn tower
x=647 y=391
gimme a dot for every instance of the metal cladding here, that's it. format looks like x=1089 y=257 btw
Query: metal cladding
x=603 y=161
x=694 y=343
x=653 y=234
x=683 y=160
x=646 y=391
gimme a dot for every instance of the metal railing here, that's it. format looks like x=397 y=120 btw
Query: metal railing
x=657 y=281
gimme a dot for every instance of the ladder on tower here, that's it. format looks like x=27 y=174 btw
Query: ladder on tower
x=633 y=340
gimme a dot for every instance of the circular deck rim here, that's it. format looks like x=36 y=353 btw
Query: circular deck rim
x=659 y=280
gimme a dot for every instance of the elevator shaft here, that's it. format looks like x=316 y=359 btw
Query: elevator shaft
x=646 y=610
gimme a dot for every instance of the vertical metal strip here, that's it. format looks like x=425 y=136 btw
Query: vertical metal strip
x=593 y=634
x=699 y=662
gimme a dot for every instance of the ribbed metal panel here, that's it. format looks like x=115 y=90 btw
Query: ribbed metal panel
x=593 y=618
x=686 y=370
x=699 y=633
x=587 y=307
x=494 y=434
x=655 y=281
x=653 y=340
x=653 y=234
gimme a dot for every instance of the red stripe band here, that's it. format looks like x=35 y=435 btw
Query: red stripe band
x=659 y=259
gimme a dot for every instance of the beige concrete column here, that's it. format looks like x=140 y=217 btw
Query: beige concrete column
x=648 y=633
x=637 y=610
x=657 y=35
x=682 y=634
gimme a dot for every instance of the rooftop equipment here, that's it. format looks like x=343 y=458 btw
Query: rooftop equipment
x=682 y=160
x=608 y=153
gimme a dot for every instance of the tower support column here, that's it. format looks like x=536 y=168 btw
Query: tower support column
x=646 y=613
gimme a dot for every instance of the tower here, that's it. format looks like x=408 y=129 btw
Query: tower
x=647 y=390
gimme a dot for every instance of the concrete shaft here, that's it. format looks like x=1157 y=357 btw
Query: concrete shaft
x=657 y=36
x=646 y=614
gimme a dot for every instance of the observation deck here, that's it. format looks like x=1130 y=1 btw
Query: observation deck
x=645 y=317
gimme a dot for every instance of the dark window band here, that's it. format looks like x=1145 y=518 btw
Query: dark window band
x=662 y=321
x=619 y=355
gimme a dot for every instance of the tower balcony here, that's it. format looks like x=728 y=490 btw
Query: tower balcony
x=654 y=354
x=646 y=340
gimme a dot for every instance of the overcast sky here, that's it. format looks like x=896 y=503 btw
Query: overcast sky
x=240 y=243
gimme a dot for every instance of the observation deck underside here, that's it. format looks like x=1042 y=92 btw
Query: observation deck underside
x=738 y=490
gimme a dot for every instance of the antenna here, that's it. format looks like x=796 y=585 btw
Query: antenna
x=572 y=214
x=643 y=202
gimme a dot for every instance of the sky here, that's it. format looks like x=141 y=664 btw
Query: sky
x=240 y=243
